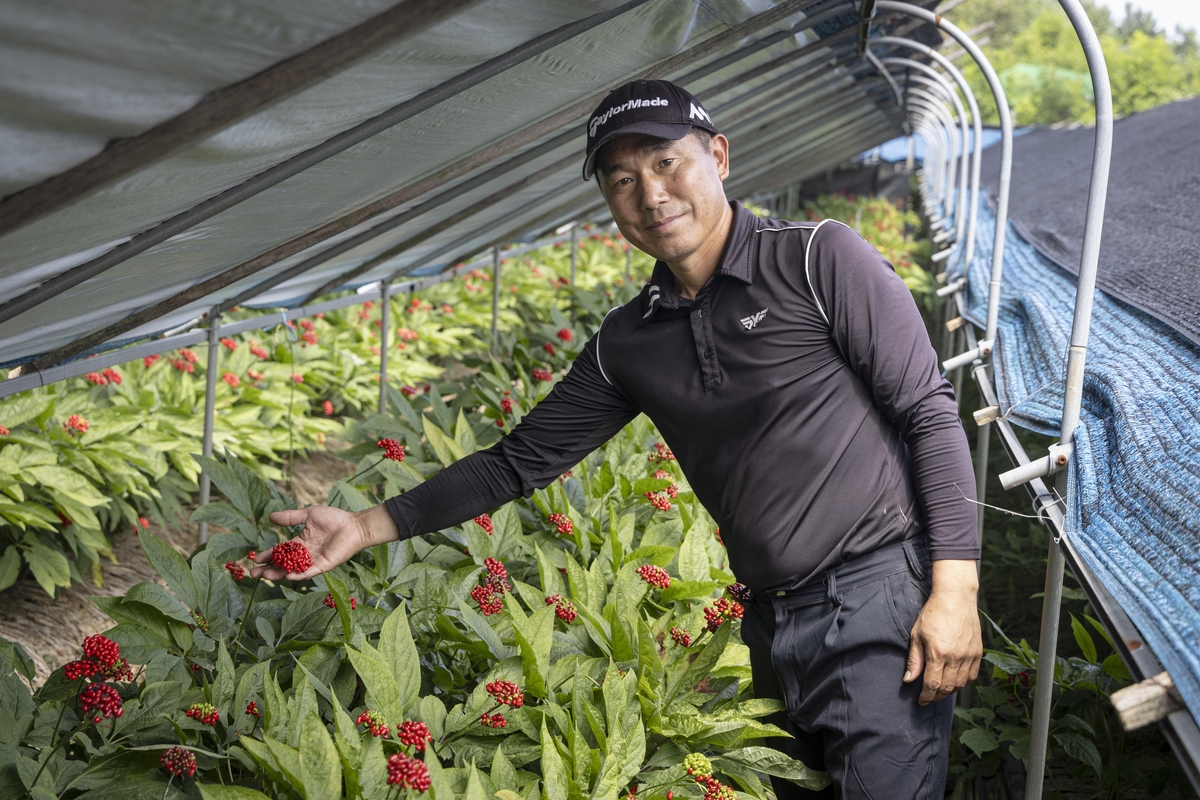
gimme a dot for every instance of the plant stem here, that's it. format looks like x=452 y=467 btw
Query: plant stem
x=350 y=480
x=246 y=613
x=54 y=736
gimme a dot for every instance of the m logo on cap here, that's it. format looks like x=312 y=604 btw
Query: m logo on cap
x=697 y=111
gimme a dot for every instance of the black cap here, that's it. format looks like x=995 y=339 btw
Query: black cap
x=655 y=108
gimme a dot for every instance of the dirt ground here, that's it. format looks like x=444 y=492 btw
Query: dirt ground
x=51 y=630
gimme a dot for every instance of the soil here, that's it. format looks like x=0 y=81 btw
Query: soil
x=50 y=630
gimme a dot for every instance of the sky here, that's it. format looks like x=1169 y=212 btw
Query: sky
x=1168 y=13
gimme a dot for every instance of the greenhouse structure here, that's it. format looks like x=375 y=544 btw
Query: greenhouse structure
x=178 y=174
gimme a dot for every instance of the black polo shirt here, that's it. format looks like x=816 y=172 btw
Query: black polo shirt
x=798 y=391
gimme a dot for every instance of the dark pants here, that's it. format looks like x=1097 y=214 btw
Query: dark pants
x=835 y=654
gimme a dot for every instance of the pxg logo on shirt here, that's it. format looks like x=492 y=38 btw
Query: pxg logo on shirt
x=600 y=119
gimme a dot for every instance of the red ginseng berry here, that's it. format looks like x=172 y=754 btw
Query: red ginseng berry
x=489 y=601
x=738 y=592
x=327 y=407
x=564 y=609
x=493 y=721
x=205 y=713
x=485 y=521
x=252 y=709
x=101 y=698
x=563 y=523
x=178 y=761
x=331 y=603
x=659 y=501
x=236 y=570
x=374 y=721
x=540 y=374
x=291 y=556
x=414 y=734
x=497 y=575
x=681 y=637
x=409 y=772
x=565 y=335
x=506 y=693
x=654 y=575
x=102 y=649
x=392 y=450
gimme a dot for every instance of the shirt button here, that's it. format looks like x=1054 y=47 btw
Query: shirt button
x=708 y=353
x=699 y=313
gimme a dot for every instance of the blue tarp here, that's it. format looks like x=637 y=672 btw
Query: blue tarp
x=1133 y=509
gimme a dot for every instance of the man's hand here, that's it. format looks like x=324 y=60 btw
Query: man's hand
x=945 y=643
x=331 y=535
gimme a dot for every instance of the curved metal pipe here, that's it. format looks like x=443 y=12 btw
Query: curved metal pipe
x=942 y=86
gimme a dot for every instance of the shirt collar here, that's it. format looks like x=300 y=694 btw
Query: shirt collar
x=736 y=262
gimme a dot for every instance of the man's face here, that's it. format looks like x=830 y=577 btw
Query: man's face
x=666 y=195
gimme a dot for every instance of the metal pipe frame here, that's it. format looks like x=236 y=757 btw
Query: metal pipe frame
x=290 y=167
x=957 y=135
x=385 y=307
x=210 y=399
x=941 y=85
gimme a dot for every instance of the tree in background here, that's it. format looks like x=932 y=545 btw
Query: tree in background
x=1044 y=72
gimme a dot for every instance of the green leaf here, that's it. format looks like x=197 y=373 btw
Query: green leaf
x=10 y=567
x=229 y=483
x=444 y=448
x=554 y=772
x=50 y=568
x=171 y=566
x=773 y=762
x=68 y=482
x=341 y=598
x=382 y=692
x=219 y=792
x=223 y=685
x=483 y=630
x=1080 y=748
x=154 y=595
x=22 y=408
x=474 y=789
x=399 y=651
x=693 y=557
x=535 y=637
x=1084 y=639
x=503 y=775
x=320 y=767
x=625 y=747
x=979 y=740
x=688 y=590
x=704 y=663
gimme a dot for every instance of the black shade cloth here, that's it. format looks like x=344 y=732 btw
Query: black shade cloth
x=1150 y=253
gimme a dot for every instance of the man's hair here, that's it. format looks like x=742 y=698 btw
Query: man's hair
x=704 y=136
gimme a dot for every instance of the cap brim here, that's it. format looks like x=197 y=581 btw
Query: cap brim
x=663 y=130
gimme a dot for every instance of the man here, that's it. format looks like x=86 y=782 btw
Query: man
x=789 y=371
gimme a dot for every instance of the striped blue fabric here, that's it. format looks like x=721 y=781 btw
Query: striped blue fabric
x=1133 y=501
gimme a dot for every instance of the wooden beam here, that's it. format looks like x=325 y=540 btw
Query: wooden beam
x=224 y=108
x=1147 y=702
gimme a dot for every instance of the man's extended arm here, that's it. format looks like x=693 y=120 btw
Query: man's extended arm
x=581 y=413
x=879 y=331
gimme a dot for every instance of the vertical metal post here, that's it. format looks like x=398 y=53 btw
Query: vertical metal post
x=385 y=308
x=210 y=399
x=495 y=301
x=911 y=160
x=1073 y=389
x=574 y=250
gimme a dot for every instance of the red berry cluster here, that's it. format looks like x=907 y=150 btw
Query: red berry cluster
x=681 y=637
x=253 y=554
x=291 y=556
x=184 y=366
x=101 y=658
x=309 y=338
x=565 y=335
x=720 y=611
x=490 y=602
x=297 y=377
x=738 y=592
x=563 y=523
x=374 y=721
x=259 y=352
x=485 y=521
x=206 y=713
x=408 y=335
x=76 y=423
x=229 y=344
x=392 y=450
x=201 y=622
x=493 y=721
x=654 y=575
x=506 y=693
x=3 y=431
x=252 y=709
x=178 y=761
x=549 y=348
x=149 y=361
x=717 y=533
x=232 y=380
x=414 y=734
x=661 y=453
x=189 y=356
x=101 y=698
x=672 y=490
x=236 y=570
x=540 y=374
x=331 y=603
x=715 y=790
x=564 y=609
x=497 y=574
x=506 y=404
x=409 y=772
x=254 y=375
x=659 y=500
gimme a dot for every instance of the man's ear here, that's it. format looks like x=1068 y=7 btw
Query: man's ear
x=718 y=146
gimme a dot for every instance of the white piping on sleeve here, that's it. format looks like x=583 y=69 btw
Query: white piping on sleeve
x=807 y=274
x=600 y=363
